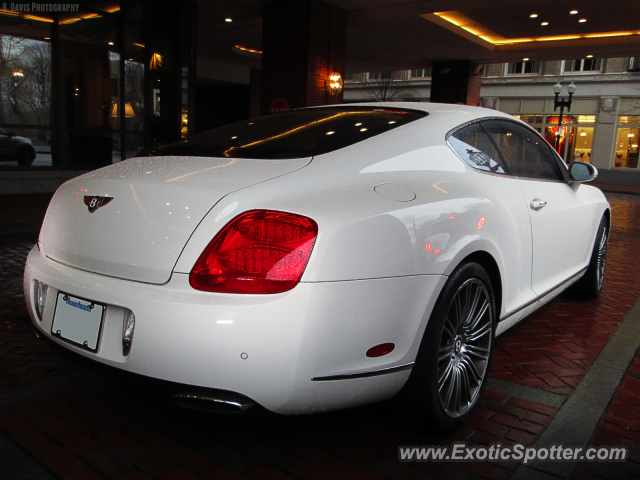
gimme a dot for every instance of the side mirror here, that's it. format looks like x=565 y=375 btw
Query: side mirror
x=582 y=172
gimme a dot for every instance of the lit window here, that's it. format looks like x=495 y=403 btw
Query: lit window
x=626 y=151
x=583 y=65
x=518 y=68
x=629 y=120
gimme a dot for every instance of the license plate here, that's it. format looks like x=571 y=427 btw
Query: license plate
x=78 y=321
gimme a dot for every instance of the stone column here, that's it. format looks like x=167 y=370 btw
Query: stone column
x=302 y=42
x=456 y=82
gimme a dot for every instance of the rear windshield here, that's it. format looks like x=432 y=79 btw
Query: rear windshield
x=294 y=134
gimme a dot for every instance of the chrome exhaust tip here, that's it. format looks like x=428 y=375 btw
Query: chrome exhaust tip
x=216 y=401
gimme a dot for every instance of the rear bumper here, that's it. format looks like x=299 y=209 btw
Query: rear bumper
x=266 y=347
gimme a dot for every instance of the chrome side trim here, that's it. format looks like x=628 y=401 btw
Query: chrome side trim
x=549 y=292
x=372 y=373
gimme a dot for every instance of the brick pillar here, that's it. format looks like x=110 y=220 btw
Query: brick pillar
x=456 y=82
x=302 y=41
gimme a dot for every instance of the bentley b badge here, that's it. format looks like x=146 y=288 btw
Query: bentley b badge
x=94 y=203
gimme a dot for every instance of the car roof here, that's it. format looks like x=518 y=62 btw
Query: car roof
x=452 y=114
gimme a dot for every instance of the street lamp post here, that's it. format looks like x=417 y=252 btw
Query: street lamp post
x=557 y=88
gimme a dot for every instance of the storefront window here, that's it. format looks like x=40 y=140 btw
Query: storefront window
x=533 y=120
x=626 y=151
x=573 y=140
x=85 y=88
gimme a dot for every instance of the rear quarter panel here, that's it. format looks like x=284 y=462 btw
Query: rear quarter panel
x=365 y=235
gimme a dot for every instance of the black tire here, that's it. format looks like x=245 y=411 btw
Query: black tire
x=590 y=285
x=453 y=361
x=26 y=156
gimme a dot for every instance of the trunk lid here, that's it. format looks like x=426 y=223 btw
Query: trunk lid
x=156 y=204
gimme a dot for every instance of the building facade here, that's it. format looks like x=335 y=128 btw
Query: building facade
x=602 y=127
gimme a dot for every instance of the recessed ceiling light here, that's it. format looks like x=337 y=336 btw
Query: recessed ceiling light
x=589 y=56
x=573 y=12
x=525 y=59
x=111 y=43
x=582 y=20
x=544 y=24
x=533 y=15
x=228 y=20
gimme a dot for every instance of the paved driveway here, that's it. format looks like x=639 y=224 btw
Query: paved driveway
x=566 y=374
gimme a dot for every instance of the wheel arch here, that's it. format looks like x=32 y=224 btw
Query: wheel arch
x=607 y=215
x=486 y=260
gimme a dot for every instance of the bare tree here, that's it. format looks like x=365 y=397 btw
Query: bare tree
x=134 y=89
x=12 y=50
x=381 y=87
x=35 y=88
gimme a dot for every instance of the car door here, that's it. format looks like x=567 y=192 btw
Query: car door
x=556 y=209
x=472 y=144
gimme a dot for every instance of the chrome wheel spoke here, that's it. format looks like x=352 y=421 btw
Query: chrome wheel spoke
x=449 y=328
x=466 y=384
x=472 y=307
x=477 y=378
x=445 y=352
x=478 y=316
x=445 y=375
x=479 y=333
x=601 y=258
x=478 y=352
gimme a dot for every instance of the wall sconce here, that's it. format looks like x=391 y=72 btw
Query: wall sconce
x=128 y=110
x=334 y=83
x=156 y=61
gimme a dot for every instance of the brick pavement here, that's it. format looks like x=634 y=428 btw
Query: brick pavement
x=78 y=424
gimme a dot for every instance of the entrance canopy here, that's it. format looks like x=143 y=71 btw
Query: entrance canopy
x=402 y=34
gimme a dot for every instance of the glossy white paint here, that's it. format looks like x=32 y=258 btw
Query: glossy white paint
x=396 y=214
x=561 y=224
x=157 y=203
x=316 y=329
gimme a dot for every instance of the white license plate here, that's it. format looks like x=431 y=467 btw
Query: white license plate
x=78 y=321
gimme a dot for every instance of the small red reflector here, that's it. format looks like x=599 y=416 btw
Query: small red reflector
x=480 y=223
x=428 y=246
x=436 y=252
x=380 y=350
x=451 y=218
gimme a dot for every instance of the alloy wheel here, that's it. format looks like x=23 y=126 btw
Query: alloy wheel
x=465 y=348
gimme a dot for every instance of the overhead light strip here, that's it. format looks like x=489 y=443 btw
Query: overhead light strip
x=484 y=34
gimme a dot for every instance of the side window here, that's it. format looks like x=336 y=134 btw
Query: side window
x=474 y=146
x=524 y=151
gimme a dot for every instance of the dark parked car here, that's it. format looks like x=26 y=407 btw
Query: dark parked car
x=17 y=149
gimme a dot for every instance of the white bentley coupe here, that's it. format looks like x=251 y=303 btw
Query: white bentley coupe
x=321 y=258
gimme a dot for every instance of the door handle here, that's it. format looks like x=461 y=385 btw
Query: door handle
x=537 y=204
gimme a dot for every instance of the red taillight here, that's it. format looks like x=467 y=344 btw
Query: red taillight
x=259 y=251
